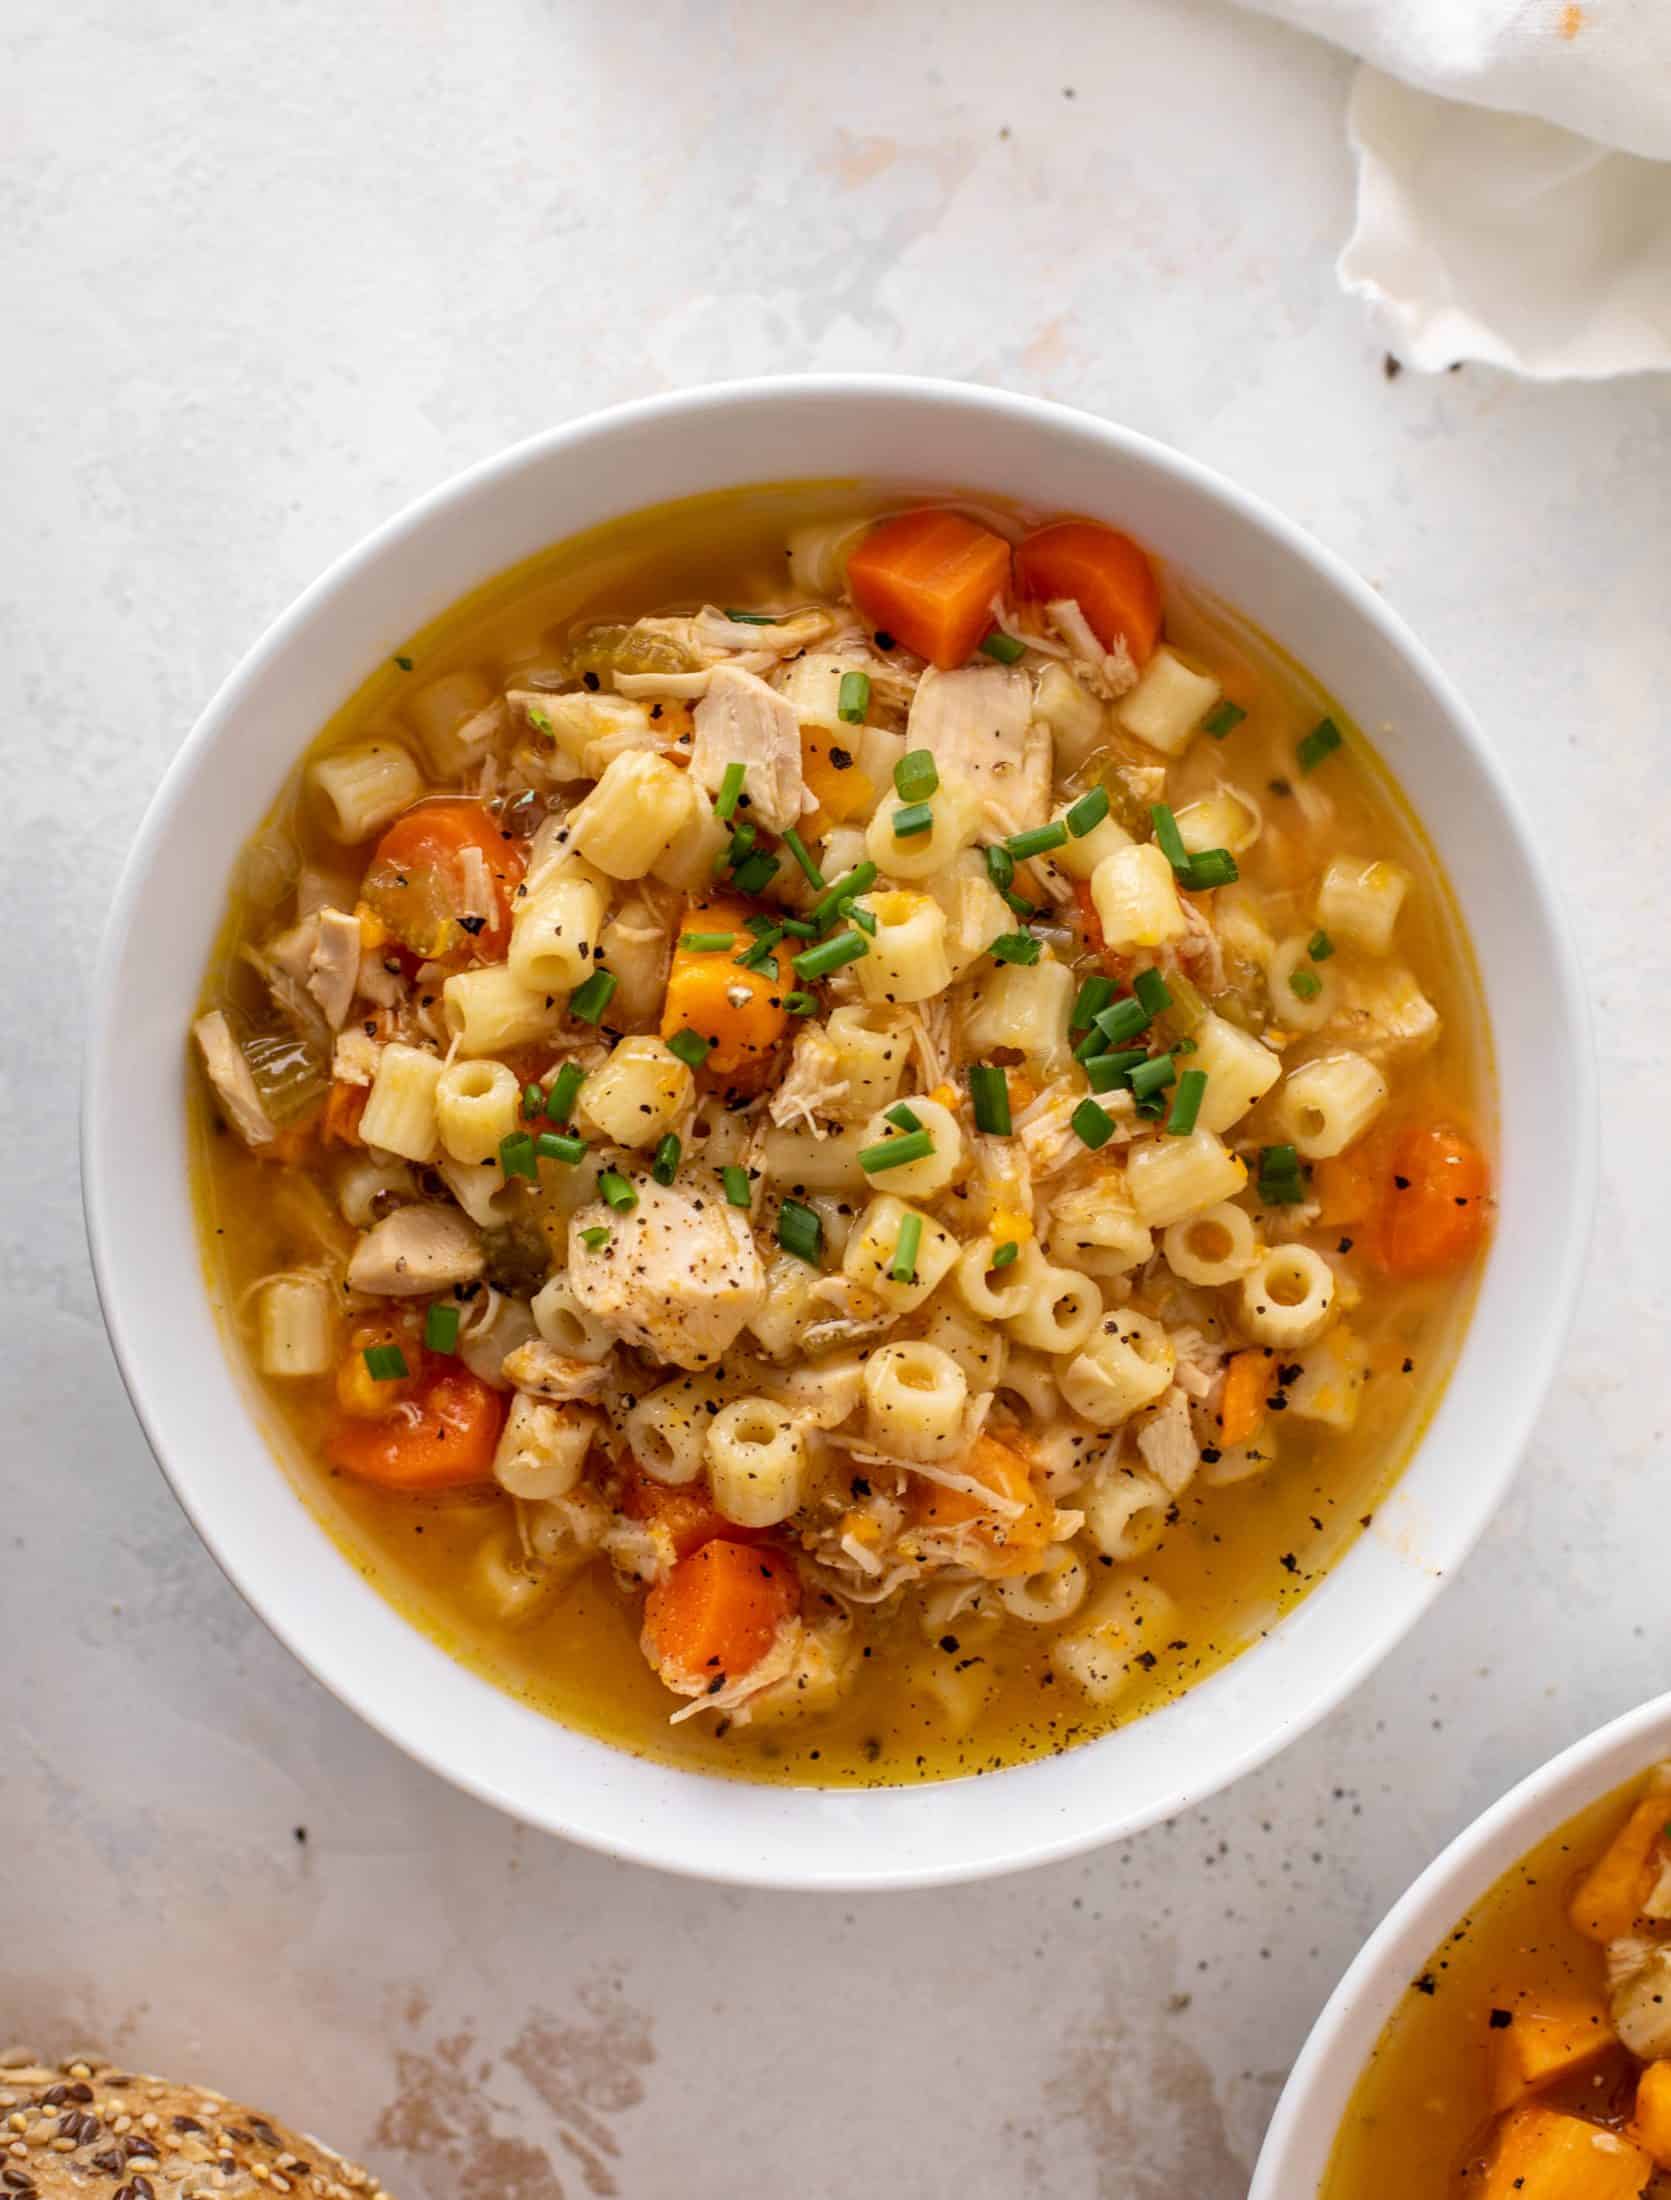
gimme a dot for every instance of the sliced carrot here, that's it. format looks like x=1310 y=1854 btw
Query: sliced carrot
x=1101 y=570
x=1433 y=1210
x=1241 y=1409
x=718 y=1612
x=1543 y=2155
x=1346 y=1187
x=1651 y=2125
x=340 y=1125
x=929 y=578
x=1014 y=1540
x=1548 y=2037
x=687 y=1512
x=441 y=1438
x=1608 y=1900
x=423 y=881
x=739 y=1012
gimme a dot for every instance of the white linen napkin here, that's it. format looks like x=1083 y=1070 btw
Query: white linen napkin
x=1514 y=177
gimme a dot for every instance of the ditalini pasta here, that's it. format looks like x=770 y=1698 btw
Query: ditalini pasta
x=845 y=1166
x=1531 y=2059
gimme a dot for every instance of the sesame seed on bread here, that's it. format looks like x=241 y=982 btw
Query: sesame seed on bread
x=99 y=2132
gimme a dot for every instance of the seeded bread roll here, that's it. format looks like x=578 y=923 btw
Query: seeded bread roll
x=94 y=2130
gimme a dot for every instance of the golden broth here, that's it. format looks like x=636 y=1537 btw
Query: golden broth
x=1234 y=1558
x=1420 y=2121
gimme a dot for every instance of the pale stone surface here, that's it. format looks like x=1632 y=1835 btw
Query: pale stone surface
x=269 y=272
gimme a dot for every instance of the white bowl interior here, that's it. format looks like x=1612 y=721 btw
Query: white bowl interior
x=195 y=1412
x=1320 y=2086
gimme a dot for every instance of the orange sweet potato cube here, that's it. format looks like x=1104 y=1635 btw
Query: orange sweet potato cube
x=1652 y=2125
x=1542 y=2155
x=1547 y=2037
x=1611 y=1894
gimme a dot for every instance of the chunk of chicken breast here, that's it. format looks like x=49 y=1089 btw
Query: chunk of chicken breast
x=416 y=1249
x=678 y=1276
x=229 y=1073
x=978 y=725
x=334 y=965
x=742 y=721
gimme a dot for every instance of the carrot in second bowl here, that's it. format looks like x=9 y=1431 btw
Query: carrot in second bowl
x=929 y=579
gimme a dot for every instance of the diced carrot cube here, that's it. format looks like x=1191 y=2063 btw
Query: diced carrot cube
x=1652 y=2125
x=1610 y=1896
x=1545 y=2039
x=1542 y=2155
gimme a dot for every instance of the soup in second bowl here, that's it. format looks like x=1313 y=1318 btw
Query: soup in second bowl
x=1531 y=2059
x=850 y=1142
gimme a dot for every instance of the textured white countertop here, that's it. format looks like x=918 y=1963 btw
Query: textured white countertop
x=270 y=271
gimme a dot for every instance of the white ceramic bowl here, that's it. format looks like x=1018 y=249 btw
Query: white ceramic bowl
x=1320 y=2086
x=914 y=435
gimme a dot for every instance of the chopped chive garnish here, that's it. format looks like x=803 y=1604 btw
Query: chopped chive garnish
x=1000 y=868
x=854 y=914
x=1092 y=1125
x=800 y=1004
x=799 y=1231
x=385 y=1363
x=1003 y=646
x=742 y=840
x=895 y=1153
x=1148 y=1077
x=1186 y=1103
x=559 y=1146
x=559 y=1101
x=917 y=818
x=830 y=954
x=1321 y=741
x=1003 y=1254
x=1168 y=839
x=730 y=791
x=690 y=1047
x=1023 y=909
x=1088 y=812
x=441 y=1326
x=1319 y=947
x=1223 y=718
x=904 y=1117
x=809 y=870
x=1306 y=983
x=1094 y=995
x=617 y=1192
x=516 y=1156
x=761 y=953
x=1015 y=947
x=664 y=1164
x=1108 y=1072
x=1150 y=988
x=1212 y=867
x=539 y=719
x=707 y=943
x=989 y=1089
x=533 y=1101
x=853 y=698
x=1122 y=1019
x=758 y=922
x=587 y=1002
x=858 y=881
x=798 y=928
x=754 y=876
x=916 y=775
x=906 y=1247
x=735 y=1180
x=405 y=663
x=1038 y=840
x=594 y=1237
x=753 y=618
x=1279 y=1178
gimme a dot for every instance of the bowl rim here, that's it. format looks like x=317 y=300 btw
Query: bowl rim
x=1567 y=1220
x=1306 y=2121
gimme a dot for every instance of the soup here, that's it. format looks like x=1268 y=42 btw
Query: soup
x=848 y=1143
x=1531 y=2060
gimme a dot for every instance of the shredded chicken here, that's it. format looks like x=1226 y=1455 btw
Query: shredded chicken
x=743 y=721
x=680 y=1275
x=810 y=1087
x=1045 y=1127
x=414 y=1250
x=1167 y=1443
x=333 y=971
x=1109 y=672
x=230 y=1075
x=544 y=1372
x=978 y=725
